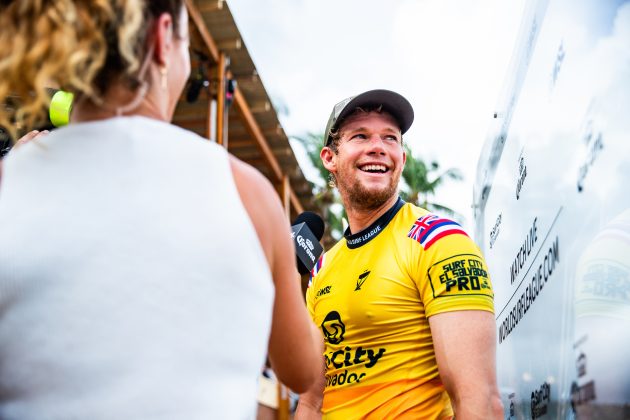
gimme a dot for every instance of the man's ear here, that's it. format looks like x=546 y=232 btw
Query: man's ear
x=163 y=38
x=329 y=158
x=404 y=157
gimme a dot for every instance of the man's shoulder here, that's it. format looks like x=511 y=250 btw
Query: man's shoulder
x=323 y=263
x=336 y=251
x=427 y=229
x=411 y=212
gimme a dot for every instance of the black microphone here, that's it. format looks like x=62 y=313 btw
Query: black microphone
x=307 y=230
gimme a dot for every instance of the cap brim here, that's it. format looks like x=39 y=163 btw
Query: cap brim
x=392 y=102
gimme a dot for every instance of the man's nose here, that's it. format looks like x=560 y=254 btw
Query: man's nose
x=376 y=144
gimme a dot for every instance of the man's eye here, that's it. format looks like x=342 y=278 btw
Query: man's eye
x=391 y=138
x=359 y=136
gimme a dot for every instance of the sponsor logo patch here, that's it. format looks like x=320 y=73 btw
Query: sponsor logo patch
x=323 y=291
x=460 y=275
x=362 y=278
x=333 y=328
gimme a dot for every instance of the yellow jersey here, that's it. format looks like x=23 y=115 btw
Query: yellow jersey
x=372 y=295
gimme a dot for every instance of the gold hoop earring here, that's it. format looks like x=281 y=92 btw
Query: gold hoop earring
x=332 y=181
x=163 y=74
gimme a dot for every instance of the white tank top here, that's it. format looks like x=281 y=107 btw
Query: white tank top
x=132 y=282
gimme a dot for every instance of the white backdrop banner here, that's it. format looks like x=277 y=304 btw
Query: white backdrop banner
x=552 y=213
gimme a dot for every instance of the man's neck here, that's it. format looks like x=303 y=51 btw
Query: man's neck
x=360 y=218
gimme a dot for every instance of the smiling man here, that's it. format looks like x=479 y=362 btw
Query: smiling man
x=404 y=299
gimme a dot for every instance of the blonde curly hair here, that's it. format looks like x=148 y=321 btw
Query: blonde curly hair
x=79 y=46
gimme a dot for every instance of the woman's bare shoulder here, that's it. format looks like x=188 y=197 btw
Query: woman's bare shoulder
x=261 y=203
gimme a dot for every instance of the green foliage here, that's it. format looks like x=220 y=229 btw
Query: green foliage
x=313 y=145
x=422 y=179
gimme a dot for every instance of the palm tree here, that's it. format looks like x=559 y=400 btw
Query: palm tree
x=422 y=180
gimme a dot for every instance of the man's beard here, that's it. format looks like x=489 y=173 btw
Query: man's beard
x=359 y=197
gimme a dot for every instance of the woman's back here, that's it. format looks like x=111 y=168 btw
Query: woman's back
x=123 y=293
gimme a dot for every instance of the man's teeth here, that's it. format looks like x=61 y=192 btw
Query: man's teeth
x=374 y=168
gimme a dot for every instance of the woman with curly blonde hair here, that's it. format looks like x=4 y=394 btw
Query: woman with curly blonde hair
x=144 y=273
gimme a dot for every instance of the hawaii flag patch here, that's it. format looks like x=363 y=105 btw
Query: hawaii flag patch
x=429 y=228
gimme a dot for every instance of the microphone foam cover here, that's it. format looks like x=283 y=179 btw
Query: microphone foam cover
x=314 y=222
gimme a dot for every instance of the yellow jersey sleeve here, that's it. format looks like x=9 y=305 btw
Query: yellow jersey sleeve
x=452 y=275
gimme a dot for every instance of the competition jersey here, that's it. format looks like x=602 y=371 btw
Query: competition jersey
x=372 y=295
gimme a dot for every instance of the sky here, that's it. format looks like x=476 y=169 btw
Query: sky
x=448 y=57
x=451 y=60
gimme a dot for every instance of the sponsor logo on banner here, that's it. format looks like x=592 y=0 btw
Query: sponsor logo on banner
x=557 y=65
x=534 y=287
x=524 y=251
x=512 y=405
x=582 y=393
x=540 y=400
x=494 y=233
x=522 y=174
x=594 y=144
x=580 y=364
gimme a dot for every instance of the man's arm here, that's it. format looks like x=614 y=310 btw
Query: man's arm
x=310 y=403
x=465 y=345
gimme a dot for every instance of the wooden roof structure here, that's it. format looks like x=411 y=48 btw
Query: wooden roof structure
x=239 y=116
x=248 y=126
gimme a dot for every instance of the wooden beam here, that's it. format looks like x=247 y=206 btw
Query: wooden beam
x=230 y=44
x=247 y=77
x=284 y=191
x=250 y=147
x=259 y=107
x=195 y=15
x=295 y=202
x=255 y=161
x=256 y=133
x=239 y=100
x=211 y=6
x=190 y=113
